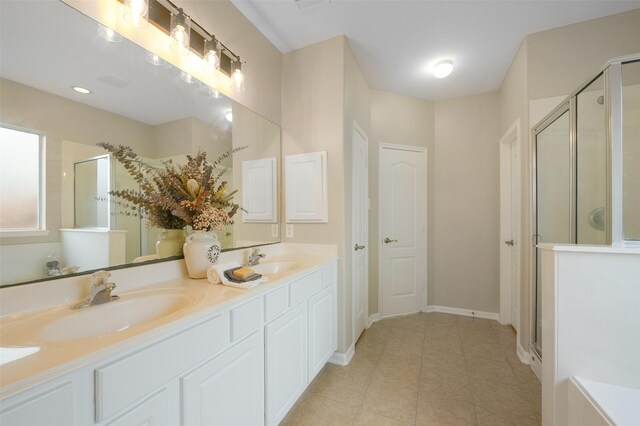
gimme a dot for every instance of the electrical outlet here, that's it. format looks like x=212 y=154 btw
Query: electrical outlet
x=275 y=231
x=289 y=230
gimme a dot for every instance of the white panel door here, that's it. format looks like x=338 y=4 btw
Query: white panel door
x=322 y=332
x=403 y=234
x=229 y=389
x=360 y=230
x=286 y=362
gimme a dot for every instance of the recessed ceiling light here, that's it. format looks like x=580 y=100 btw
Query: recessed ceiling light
x=443 y=68
x=108 y=34
x=82 y=90
x=229 y=116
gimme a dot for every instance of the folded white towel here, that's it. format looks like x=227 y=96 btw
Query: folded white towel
x=215 y=275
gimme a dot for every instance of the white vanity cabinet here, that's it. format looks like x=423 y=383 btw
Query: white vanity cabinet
x=244 y=364
x=286 y=361
x=300 y=341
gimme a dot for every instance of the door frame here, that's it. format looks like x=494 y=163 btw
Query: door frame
x=425 y=248
x=357 y=128
x=511 y=216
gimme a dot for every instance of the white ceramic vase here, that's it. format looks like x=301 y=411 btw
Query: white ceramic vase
x=201 y=250
x=170 y=243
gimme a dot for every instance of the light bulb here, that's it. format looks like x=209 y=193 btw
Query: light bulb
x=443 y=68
x=238 y=77
x=136 y=12
x=108 y=34
x=180 y=31
x=229 y=116
x=211 y=56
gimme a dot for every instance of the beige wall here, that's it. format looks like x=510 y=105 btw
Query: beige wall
x=313 y=120
x=466 y=263
x=402 y=120
x=561 y=59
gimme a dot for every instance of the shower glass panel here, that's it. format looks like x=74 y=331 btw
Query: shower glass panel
x=631 y=150
x=91 y=189
x=553 y=197
x=591 y=165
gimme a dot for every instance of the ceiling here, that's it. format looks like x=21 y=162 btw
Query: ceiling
x=397 y=41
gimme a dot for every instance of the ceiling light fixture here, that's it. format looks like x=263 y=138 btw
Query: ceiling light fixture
x=136 y=12
x=443 y=68
x=229 y=116
x=82 y=90
x=108 y=34
x=180 y=32
x=238 y=76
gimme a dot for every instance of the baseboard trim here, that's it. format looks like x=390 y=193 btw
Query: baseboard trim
x=463 y=312
x=343 y=358
x=372 y=318
x=523 y=355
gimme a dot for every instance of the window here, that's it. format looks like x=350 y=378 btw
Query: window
x=21 y=182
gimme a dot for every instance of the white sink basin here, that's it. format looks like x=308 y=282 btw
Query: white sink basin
x=273 y=268
x=64 y=324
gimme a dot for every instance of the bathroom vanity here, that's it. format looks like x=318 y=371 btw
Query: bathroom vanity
x=178 y=351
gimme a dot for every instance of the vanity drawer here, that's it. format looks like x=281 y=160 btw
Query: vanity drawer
x=245 y=319
x=131 y=378
x=305 y=287
x=276 y=303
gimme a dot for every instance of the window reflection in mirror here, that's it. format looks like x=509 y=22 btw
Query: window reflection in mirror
x=144 y=104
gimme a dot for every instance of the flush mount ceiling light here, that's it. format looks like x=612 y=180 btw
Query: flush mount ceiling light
x=108 y=34
x=442 y=69
x=136 y=12
x=82 y=90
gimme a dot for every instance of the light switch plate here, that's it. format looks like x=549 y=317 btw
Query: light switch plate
x=289 y=230
x=274 y=230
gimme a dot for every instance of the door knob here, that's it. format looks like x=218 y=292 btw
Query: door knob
x=509 y=242
x=357 y=247
x=387 y=240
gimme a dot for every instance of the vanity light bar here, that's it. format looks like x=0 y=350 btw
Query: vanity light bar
x=160 y=16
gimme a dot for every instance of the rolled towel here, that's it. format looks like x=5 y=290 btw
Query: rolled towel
x=215 y=273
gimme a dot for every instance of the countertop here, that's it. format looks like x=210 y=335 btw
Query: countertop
x=33 y=363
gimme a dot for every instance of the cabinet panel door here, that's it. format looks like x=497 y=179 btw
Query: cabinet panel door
x=152 y=412
x=322 y=333
x=286 y=363
x=229 y=389
x=52 y=408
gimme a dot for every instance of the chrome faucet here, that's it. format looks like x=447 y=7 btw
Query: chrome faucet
x=255 y=256
x=100 y=291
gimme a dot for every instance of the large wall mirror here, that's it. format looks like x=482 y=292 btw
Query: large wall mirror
x=56 y=178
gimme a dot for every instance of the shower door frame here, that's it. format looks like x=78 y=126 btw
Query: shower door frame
x=612 y=75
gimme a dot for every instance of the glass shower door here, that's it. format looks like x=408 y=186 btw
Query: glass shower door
x=553 y=198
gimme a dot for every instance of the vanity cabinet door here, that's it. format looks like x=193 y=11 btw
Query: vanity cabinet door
x=229 y=389
x=51 y=408
x=286 y=363
x=322 y=330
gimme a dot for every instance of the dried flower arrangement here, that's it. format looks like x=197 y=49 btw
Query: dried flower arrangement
x=176 y=196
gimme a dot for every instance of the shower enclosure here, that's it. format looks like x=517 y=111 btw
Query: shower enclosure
x=586 y=169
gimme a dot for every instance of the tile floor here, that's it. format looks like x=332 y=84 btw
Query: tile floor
x=426 y=369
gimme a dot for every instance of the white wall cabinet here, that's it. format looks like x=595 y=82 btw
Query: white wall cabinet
x=306 y=188
x=286 y=361
x=243 y=365
x=229 y=389
x=260 y=190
